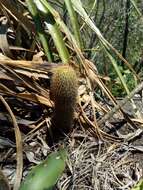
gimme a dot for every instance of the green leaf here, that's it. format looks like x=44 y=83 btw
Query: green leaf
x=53 y=28
x=46 y=174
x=138 y=186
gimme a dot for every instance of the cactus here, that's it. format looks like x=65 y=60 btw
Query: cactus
x=63 y=92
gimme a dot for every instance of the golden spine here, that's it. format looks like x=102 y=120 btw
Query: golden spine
x=63 y=92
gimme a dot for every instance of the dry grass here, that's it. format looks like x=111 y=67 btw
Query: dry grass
x=105 y=145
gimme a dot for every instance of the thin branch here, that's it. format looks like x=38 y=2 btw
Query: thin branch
x=119 y=106
x=19 y=154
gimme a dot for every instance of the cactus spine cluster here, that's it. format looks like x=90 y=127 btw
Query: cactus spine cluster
x=63 y=92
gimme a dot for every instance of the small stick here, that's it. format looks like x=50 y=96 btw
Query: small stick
x=118 y=106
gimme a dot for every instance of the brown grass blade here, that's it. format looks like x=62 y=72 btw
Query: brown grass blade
x=11 y=9
x=19 y=154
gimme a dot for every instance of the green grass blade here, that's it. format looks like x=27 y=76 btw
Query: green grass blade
x=81 y=11
x=74 y=22
x=113 y=61
x=34 y=12
x=64 y=28
x=136 y=8
x=53 y=29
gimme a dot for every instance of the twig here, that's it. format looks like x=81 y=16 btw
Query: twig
x=117 y=107
x=19 y=154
